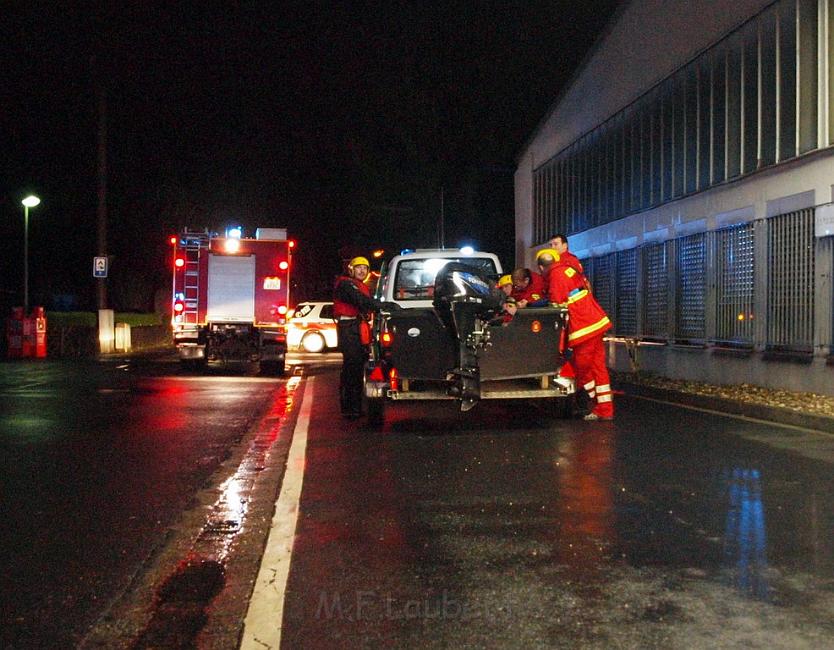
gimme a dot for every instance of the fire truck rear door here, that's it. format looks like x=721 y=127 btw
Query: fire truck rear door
x=231 y=288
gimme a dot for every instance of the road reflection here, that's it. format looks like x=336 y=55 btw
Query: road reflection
x=745 y=539
x=585 y=501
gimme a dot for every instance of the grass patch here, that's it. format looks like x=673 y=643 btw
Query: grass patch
x=90 y=319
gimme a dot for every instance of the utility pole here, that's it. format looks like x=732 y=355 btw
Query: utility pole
x=101 y=213
x=441 y=234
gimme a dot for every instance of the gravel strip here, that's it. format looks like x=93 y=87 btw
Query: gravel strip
x=810 y=403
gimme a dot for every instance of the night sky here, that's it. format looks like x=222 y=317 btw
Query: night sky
x=343 y=121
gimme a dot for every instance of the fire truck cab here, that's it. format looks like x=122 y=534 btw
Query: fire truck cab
x=230 y=297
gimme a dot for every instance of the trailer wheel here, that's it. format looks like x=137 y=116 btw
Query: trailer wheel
x=560 y=407
x=273 y=368
x=376 y=410
x=193 y=365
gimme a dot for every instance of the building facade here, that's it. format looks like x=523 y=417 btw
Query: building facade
x=690 y=162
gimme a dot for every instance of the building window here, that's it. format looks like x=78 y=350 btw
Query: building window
x=691 y=287
x=626 y=314
x=655 y=291
x=747 y=102
x=734 y=257
x=790 y=283
x=602 y=282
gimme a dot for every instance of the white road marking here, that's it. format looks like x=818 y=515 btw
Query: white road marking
x=262 y=626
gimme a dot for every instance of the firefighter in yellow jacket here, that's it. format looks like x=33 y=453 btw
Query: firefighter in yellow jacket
x=588 y=322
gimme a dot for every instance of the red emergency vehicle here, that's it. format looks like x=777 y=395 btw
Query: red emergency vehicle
x=231 y=295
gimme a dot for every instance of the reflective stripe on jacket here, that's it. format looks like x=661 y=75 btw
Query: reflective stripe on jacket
x=566 y=285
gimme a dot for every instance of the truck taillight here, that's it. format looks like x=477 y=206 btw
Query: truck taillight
x=179 y=262
x=173 y=240
x=282 y=309
x=178 y=307
x=386 y=339
x=284 y=265
x=291 y=243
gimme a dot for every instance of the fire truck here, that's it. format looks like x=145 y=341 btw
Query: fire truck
x=230 y=297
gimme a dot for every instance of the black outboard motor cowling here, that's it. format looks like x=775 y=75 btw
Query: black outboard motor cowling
x=466 y=302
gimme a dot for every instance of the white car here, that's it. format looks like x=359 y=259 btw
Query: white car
x=311 y=327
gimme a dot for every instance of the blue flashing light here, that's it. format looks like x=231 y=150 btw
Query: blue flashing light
x=234 y=232
x=467 y=250
x=405 y=251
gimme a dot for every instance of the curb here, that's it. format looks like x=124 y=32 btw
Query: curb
x=822 y=423
x=149 y=352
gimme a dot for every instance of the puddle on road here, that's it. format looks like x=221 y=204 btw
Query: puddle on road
x=181 y=608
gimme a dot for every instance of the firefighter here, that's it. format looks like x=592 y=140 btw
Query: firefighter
x=587 y=324
x=509 y=306
x=352 y=305
x=528 y=288
x=559 y=243
x=505 y=284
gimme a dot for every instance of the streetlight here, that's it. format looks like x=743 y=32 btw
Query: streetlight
x=29 y=202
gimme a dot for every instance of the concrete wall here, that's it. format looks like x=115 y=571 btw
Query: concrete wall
x=727 y=367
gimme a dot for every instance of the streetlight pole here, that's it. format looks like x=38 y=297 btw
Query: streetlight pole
x=29 y=202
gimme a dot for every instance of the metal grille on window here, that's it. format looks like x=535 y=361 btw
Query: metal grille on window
x=690 y=310
x=588 y=268
x=734 y=285
x=602 y=282
x=626 y=320
x=790 y=286
x=655 y=291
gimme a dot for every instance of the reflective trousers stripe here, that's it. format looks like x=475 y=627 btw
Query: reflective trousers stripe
x=601 y=324
x=589 y=361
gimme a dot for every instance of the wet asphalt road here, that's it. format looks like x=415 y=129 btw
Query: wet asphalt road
x=497 y=528
x=97 y=462
x=504 y=528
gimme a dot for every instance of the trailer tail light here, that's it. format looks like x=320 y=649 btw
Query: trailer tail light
x=395 y=379
x=376 y=374
x=386 y=339
x=179 y=262
x=291 y=243
x=284 y=265
x=282 y=309
x=173 y=240
x=178 y=307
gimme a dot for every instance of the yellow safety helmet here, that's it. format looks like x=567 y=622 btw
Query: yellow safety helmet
x=358 y=261
x=505 y=279
x=547 y=251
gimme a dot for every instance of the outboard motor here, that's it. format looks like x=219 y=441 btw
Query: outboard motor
x=466 y=302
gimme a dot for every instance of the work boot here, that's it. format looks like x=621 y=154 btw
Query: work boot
x=596 y=417
x=582 y=404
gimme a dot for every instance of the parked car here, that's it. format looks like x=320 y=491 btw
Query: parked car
x=312 y=327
